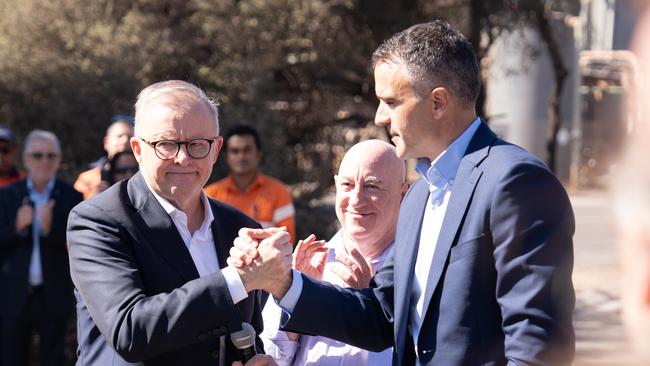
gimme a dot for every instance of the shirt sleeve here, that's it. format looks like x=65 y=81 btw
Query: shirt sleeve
x=276 y=342
x=235 y=284
x=290 y=299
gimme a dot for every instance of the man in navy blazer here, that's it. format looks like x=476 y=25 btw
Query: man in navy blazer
x=483 y=251
x=147 y=256
x=34 y=273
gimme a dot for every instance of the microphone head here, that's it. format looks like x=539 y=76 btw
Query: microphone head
x=245 y=337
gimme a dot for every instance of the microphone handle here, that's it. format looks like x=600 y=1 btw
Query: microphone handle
x=248 y=353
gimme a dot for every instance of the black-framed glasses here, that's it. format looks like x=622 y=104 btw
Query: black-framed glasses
x=168 y=149
x=40 y=155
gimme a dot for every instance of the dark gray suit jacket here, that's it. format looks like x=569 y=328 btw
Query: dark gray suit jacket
x=140 y=299
x=499 y=290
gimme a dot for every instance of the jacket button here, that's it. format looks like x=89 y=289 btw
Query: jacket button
x=202 y=337
x=223 y=329
x=215 y=354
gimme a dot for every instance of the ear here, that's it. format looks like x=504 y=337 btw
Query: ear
x=136 y=148
x=440 y=99
x=218 y=144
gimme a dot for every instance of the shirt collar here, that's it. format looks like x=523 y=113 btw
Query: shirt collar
x=48 y=188
x=443 y=169
x=174 y=212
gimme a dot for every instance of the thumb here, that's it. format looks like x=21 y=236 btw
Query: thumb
x=50 y=204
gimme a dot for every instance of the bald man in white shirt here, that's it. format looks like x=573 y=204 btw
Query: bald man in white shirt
x=369 y=188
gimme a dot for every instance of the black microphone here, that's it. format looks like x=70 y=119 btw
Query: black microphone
x=244 y=341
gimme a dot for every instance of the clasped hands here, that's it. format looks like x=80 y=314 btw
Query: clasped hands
x=263 y=258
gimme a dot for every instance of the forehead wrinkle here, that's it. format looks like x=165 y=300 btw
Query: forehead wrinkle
x=377 y=158
x=176 y=109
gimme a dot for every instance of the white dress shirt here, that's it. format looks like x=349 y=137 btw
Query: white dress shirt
x=316 y=350
x=201 y=245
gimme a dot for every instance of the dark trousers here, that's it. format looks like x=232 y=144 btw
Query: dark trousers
x=17 y=333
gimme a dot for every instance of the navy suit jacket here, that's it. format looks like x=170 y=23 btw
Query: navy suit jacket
x=16 y=252
x=499 y=290
x=140 y=299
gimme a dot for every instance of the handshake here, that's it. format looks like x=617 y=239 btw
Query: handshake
x=264 y=259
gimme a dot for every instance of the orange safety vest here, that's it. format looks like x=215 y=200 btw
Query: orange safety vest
x=88 y=181
x=267 y=200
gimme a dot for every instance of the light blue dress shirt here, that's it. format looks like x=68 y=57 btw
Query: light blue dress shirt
x=39 y=199
x=439 y=175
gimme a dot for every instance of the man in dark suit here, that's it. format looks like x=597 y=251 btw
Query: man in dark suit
x=35 y=277
x=147 y=256
x=483 y=251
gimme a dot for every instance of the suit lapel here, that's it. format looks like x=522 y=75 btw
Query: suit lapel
x=21 y=192
x=159 y=228
x=220 y=242
x=466 y=180
x=408 y=233
x=58 y=197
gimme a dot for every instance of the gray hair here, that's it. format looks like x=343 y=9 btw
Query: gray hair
x=42 y=135
x=434 y=55
x=161 y=91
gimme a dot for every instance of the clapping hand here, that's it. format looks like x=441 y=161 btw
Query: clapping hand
x=354 y=269
x=310 y=257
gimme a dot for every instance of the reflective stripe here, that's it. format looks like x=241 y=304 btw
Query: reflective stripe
x=283 y=212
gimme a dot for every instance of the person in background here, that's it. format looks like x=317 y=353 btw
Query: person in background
x=35 y=273
x=631 y=197
x=122 y=166
x=259 y=196
x=369 y=188
x=117 y=138
x=8 y=149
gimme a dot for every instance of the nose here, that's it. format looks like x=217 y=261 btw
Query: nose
x=356 y=198
x=182 y=158
x=381 y=116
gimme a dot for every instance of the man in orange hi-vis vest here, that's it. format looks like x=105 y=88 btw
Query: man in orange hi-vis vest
x=259 y=196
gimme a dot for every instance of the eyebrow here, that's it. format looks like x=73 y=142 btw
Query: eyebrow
x=370 y=179
x=374 y=180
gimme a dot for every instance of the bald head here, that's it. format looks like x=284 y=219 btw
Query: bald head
x=369 y=190
x=376 y=155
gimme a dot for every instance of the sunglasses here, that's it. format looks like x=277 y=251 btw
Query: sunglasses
x=40 y=155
